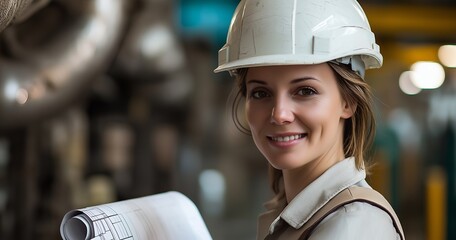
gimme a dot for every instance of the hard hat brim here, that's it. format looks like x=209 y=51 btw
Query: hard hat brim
x=371 y=60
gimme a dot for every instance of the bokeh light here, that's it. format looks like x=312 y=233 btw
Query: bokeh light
x=427 y=75
x=406 y=84
x=447 y=55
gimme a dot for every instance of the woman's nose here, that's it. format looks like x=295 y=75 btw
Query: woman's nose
x=282 y=113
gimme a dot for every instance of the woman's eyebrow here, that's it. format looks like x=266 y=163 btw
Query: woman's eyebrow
x=298 y=80
x=252 y=81
x=303 y=79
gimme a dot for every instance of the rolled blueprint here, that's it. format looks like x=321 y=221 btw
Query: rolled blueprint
x=169 y=215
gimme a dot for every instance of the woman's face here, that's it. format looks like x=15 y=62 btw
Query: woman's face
x=296 y=114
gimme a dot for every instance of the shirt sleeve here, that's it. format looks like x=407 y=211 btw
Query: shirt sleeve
x=356 y=221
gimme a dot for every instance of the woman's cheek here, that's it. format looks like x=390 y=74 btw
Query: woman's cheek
x=254 y=113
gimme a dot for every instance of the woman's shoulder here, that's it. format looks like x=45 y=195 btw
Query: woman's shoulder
x=357 y=220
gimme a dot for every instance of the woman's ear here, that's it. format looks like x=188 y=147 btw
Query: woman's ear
x=348 y=109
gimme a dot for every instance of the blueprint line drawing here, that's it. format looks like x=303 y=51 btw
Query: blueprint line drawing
x=110 y=226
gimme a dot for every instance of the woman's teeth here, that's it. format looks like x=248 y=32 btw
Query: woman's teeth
x=287 y=138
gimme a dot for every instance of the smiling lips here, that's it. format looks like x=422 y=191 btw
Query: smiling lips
x=288 y=138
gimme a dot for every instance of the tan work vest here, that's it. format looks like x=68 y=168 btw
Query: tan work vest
x=349 y=195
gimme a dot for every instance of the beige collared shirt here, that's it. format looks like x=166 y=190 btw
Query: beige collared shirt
x=357 y=220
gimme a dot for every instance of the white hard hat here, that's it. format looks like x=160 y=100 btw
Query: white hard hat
x=290 y=32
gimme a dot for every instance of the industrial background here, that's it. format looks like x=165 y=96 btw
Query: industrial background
x=105 y=100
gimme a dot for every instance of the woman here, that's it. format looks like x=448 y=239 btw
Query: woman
x=300 y=66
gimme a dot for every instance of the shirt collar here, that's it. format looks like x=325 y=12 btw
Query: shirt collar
x=319 y=192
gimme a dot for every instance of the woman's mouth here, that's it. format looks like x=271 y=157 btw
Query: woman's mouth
x=287 y=138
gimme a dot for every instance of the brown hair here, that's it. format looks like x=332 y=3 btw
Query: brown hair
x=359 y=130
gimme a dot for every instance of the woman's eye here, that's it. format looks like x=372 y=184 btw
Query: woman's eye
x=307 y=91
x=259 y=94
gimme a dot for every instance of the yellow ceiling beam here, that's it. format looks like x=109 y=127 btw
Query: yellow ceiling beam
x=409 y=54
x=393 y=20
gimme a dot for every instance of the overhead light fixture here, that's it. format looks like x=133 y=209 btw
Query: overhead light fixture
x=406 y=84
x=427 y=75
x=447 y=55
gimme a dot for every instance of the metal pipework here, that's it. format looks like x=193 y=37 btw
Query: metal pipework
x=13 y=11
x=152 y=58
x=41 y=78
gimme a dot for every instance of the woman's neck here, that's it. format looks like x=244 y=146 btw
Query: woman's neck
x=295 y=180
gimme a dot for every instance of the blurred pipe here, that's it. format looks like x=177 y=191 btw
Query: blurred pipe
x=436 y=204
x=41 y=80
x=152 y=56
x=151 y=46
x=13 y=11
